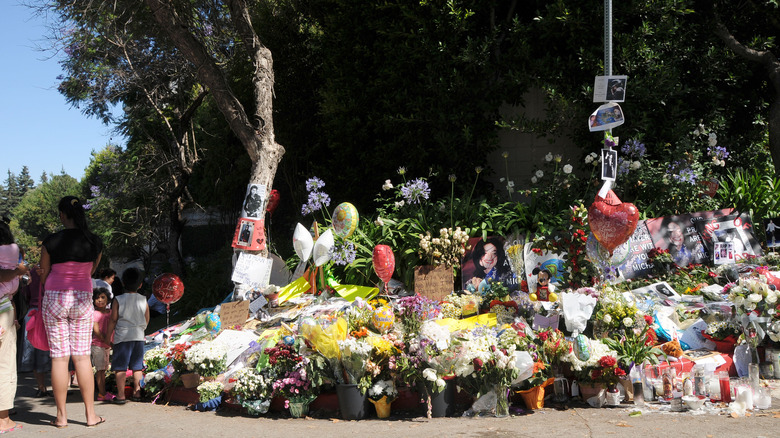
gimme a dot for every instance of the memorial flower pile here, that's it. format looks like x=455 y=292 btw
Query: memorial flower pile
x=210 y=390
x=208 y=359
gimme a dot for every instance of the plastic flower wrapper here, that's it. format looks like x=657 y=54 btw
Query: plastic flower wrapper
x=208 y=359
x=354 y=356
x=324 y=335
x=577 y=310
x=582 y=368
x=209 y=390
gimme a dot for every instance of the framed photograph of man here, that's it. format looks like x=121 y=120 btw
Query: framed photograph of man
x=249 y=234
x=609 y=88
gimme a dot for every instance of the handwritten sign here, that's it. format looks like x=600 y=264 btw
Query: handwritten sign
x=253 y=270
x=234 y=314
x=434 y=282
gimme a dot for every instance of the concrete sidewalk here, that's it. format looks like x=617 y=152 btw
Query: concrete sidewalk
x=147 y=420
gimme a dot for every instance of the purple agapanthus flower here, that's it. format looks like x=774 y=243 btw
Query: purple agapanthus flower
x=634 y=149
x=718 y=152
x=623 y=166
x=415 y=191
x=314 y=184
x=317 y=201
x=343 y=254
x=686 y=175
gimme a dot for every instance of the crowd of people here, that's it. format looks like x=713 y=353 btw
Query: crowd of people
x=84 y=319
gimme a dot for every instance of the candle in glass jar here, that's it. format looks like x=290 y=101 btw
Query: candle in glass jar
x=725 y=386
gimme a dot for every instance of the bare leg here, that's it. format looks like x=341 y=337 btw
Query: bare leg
x=101 y=382
x=137 y=376
x=60 y=379
x=83 y=366
x=6 y=423
x=121 y=376
x=40 y=378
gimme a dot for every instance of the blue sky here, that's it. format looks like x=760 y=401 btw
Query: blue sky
x=37 y=126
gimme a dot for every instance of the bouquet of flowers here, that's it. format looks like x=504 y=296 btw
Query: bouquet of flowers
x=156 y=358
x=209 y=390
x=486 y=357
x=662 y=260
x=250 y=385
x=177 y=354
x=607 y=372
x=155 y=381
x=582 y=369
x=552 y=345
x=413 y=311
x=382 y=363
x=722 y=330
x=354 y=357
x=447 y=249
x=208 y=359
x=613 y=313
x=753 y=295
x=383 y=388
x=456 y=305
x=295 y=386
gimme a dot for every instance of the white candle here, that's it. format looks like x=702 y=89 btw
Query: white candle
x=745 y=396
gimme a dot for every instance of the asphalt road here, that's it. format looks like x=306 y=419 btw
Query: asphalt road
x=147 y=420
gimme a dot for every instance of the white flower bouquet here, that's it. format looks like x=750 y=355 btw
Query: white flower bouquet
x=209 y=390
x=354 y=356
x=156 y=358
x=382 y=388
x=250 y=385
x=207 y=359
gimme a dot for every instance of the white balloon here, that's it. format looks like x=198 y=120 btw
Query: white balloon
x=302 y=242
x=322 y=247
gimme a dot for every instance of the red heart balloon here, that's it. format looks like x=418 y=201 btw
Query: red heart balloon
x=384 y=262
x=612 y=221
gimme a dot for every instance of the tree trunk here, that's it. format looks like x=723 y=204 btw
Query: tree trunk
x=257 y=136
x=772 y=65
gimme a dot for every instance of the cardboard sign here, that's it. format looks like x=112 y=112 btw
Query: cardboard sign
x=249 y=235
x=253 y=270
x=434 y=282
x=543 y=322
x=234 y=314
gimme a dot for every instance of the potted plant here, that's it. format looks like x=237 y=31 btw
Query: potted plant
x=609 y=373
x=252 y=391
x=443 y=255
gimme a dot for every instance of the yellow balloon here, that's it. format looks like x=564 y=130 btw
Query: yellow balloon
x=345 y=219
x=552 y=297
x=532 y=297
x=383 y=318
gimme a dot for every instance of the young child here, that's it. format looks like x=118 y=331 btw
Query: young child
x=129 y=318
x=101 y=341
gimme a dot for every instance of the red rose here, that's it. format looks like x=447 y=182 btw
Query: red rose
x=619 y=372
x=478 y=363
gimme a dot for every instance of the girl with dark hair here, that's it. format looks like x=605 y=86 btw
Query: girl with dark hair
x=68 y=259
x=11 y=267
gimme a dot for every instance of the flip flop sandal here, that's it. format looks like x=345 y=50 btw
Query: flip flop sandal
x=101 y=421
x=17 y=427
x=58 y=426
x=119 y=401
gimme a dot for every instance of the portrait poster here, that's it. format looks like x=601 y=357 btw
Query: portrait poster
x=254 y=202
x=486 y=259
x=607 y=116
x=772 y=229
x=736 y=229
x=723 y=253
x=680 y=236
x=610 y=88
x=249 y=235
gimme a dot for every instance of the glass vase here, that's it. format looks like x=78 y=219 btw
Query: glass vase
x=502 y=400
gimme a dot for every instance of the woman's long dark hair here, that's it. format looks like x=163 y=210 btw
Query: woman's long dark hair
x=72 y=208
x=6 y=237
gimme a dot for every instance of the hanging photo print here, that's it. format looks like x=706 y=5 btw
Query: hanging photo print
x=254 y=202
x=610 y=89
x=736 y=229
x=607 y=116
x=608 y=164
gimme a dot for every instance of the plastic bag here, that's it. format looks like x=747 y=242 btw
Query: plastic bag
x=577 y=309
x=525 y=367
x=36 y=332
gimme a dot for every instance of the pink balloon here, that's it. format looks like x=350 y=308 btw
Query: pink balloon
x=168 y=288
x=384 y=262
